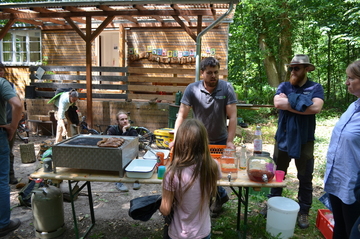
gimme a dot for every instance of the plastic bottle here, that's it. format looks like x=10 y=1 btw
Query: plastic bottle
x=243 y=160
x=258 y=141
x=160 y=158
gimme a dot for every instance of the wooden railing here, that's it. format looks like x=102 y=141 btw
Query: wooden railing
x=127 y=83
x=107 y=82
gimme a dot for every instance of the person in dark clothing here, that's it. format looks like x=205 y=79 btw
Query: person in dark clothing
x=7 y=132
x=123 y=128
x=355 y=231
x=12 y=178
x=298 y=101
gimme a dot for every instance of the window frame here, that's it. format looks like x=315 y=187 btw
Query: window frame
x=19 y=55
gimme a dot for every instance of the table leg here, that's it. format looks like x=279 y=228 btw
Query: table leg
x=245 y=202
x=72 y=196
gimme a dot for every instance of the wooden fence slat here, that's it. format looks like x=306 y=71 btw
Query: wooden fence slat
x=154 y=88
x=80 y=86
x=50 y=94
x=171 y=80
x=79 y=77
x=169 y=98
x=80 y=68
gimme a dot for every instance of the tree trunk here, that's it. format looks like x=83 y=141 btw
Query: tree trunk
x=269 y=63
x=285 y=44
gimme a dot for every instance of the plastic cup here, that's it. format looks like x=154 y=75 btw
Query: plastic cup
x=279 y=175
x=161 y=172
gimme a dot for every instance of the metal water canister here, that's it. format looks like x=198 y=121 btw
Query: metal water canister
x=48 y=212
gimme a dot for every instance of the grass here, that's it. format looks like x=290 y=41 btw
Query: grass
x=224 y=227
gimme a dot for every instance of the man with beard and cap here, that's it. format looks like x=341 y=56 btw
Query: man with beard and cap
x=298 y=101
x=212 y=102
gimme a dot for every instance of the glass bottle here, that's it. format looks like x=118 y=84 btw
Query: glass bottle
x=228 y=161
x=243 y=160
x=258 y=141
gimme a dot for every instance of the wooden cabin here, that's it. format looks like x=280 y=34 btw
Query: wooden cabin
x=120 y=55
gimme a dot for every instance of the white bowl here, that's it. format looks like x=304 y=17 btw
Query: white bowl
x=140 y=168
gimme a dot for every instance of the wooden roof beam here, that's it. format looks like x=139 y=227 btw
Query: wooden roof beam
x=76 y=9
x=41 y=9
x=75 y=18
x=22 y=15
x=108 y=9
x=25 y=20
x=176 y=7
x=142 y=8
x=130 y=25
x=7 y=27
x=182 y=24
x=213 y=10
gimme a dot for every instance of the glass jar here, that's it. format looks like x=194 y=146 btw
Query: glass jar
x=261 y=168
x=229 y=162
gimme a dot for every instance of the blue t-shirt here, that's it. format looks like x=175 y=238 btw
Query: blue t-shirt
x=210 y=109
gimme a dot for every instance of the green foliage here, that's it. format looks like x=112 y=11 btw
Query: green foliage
x=265 y=30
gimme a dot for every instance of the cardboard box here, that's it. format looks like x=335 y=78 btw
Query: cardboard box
x=163 y=137
x=323 y=223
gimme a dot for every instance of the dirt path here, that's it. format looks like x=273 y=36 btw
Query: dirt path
x=110 y=206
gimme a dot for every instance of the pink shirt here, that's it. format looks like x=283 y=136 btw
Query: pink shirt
x=188 y=220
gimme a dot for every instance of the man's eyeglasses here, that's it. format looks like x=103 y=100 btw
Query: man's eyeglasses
x=296 y=68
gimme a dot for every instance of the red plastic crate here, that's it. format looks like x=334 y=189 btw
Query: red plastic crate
x=216 y=151
x=323 y=224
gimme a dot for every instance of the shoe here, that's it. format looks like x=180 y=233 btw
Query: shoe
x=136 y=185
x=218 y=204
x=122 y=187
x=243 y=125
x=263 y=211
x=13 y=180
x=13 y=225
x=303 y=220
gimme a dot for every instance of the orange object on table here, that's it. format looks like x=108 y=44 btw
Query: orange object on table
x=160 y=156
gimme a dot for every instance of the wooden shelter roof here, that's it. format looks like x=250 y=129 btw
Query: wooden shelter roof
x=162 y=13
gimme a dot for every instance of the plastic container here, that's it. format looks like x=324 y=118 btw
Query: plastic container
x=141 y=168
x=163 y=137
x=323 y=224
x=216 y=151
x=281 y=216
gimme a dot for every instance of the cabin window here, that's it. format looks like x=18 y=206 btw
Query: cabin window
x=21 y=47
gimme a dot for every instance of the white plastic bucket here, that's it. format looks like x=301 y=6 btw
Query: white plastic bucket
x=281 y=216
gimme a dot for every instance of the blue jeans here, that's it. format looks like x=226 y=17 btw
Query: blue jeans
x=4 y=179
